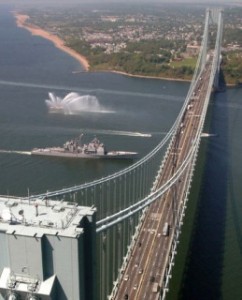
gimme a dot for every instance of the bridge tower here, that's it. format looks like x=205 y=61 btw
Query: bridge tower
x=218 y=46
x=214 y=17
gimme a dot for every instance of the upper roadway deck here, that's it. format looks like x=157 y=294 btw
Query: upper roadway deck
x=146 y=267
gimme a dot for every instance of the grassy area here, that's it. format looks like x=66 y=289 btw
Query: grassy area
x=189 y=62
x=232 y=67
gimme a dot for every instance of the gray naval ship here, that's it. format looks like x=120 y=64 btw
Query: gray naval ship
x=74 y=149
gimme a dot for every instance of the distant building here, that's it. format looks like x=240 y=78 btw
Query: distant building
x=233 y=47
x=193 y=50
x=47 y=250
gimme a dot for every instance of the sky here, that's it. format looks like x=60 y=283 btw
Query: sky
x=70 y=2
x=116 y=1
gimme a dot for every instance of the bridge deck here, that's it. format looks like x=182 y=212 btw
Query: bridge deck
x=145 y=272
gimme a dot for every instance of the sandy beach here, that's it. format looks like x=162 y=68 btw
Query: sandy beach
x=149 y=77
x=21 y=22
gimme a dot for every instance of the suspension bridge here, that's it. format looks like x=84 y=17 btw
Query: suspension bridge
x=140 y=209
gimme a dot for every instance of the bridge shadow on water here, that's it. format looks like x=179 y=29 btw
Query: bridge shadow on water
x=202 y=274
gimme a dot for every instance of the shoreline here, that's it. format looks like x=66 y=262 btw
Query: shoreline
x=59 y=43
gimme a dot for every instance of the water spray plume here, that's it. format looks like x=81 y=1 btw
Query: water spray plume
x=73 y=103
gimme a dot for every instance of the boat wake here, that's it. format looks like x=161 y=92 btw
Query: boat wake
x=16 y=152
x=73 y=103
x=120 y=132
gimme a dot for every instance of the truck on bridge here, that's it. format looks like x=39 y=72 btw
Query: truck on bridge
x=156 y=287
x=165 y=230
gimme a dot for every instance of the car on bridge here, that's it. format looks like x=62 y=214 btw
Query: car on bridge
x=126 y=277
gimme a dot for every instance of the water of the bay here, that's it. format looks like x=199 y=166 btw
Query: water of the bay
x=134 y=116
x=210 y=260
x=138 y=113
